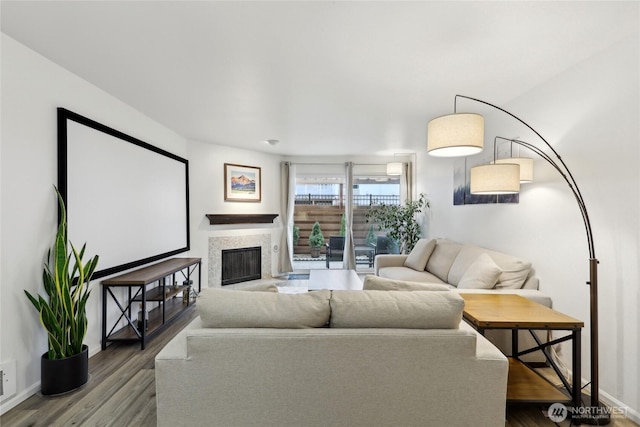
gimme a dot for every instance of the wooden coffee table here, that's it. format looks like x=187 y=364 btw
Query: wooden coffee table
x=514 y=312
x=334 y=280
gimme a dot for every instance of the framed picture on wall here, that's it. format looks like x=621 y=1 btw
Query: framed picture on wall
x=242 y=183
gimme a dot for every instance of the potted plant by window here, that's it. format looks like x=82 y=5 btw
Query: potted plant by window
x=316 y=240
x=296 y=235
x=399 y=222
x=65 y=366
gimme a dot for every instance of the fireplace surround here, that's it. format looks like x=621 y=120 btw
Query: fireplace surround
x=218 y=243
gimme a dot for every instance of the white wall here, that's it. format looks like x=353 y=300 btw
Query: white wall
x=589 y=113
x=32 y=89
x=206 y=170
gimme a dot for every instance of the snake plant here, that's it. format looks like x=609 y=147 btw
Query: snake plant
x=66 y=282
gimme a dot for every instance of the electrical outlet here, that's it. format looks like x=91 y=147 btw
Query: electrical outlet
x=8 y=387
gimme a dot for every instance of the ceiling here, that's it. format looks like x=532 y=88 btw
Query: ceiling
x=336 y=77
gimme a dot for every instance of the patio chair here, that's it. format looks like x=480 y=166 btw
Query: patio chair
x=385 y=245
x=335 y=249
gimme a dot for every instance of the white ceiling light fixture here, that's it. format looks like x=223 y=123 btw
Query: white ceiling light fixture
x=394 y=168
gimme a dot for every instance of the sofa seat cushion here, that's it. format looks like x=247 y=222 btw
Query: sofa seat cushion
x=408 y=275
x=420 y=254
x=403 y=310
x=375 y=283
x=222 y=308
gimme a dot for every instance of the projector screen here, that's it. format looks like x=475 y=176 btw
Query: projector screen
x=127 y=199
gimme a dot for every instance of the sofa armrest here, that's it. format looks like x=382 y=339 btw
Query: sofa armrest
x=388 y=260
x=177 y=347
x=484 y=348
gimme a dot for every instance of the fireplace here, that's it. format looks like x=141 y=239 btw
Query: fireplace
x=224 y=242
x=241 y=265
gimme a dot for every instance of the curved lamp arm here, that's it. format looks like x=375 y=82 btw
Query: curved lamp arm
x=561 y=167
x=566 y=175
x=564 y=171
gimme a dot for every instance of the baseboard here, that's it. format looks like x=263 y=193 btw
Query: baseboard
x=10 y=403
x=611 y=401
x=7 y=405
x=605 y=398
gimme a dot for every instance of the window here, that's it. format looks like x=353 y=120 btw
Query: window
x=320 y=196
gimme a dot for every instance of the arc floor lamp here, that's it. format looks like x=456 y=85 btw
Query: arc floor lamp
x=460 y=134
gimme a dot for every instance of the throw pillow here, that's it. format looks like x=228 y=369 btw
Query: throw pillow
x=420 y=254
x=483 y=273
x=515 y=276
x=376 y=283
x=402 y=310
x=222 y=308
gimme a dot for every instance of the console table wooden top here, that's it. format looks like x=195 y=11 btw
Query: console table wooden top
x=508 y=311
x=150 y=274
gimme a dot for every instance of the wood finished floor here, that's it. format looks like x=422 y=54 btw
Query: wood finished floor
x=121 y=392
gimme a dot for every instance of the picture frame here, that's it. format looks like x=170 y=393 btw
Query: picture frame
x=242 y=183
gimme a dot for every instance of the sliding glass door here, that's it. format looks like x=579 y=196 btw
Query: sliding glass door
x=320 y=200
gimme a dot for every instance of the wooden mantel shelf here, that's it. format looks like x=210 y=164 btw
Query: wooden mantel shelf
x=215 y=219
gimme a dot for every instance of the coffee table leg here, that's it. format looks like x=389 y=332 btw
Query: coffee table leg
x=514 y=343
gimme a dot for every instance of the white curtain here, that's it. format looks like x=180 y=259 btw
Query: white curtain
x=405 y=183
x=287 y=204
x=349 y=257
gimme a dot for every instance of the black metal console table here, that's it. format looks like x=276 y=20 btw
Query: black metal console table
x=148 y=285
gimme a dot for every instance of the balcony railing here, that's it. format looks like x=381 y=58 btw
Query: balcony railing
x=337 y=200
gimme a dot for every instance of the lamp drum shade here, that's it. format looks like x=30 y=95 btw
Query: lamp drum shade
x=526 y=167
x=495 y=179
x=454 y=135
x=394 y=168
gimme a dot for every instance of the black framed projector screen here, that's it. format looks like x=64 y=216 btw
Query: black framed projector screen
x=127 y=199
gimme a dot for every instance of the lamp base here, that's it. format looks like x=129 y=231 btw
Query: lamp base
x=591 y=415
x=599 y=416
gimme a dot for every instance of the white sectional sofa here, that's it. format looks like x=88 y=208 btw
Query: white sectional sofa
x=330 y=358
x=469 y=269
x=464 y=268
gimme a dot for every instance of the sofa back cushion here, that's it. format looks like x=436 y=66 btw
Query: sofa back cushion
x=419 y=255
x=442 y=258
x=514 y=270
x=222 y=308
x=376 y=283
x=405 y=310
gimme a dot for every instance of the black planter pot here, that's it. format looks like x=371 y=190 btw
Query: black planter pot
x=64 y=375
